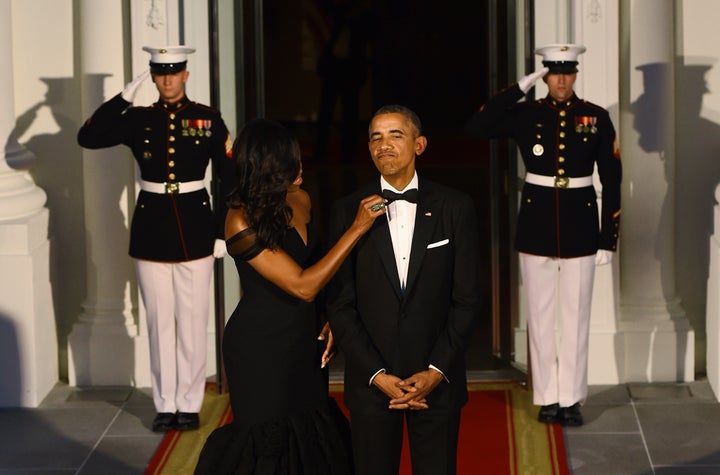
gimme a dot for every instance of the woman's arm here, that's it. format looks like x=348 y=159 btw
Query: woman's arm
x=280 y=269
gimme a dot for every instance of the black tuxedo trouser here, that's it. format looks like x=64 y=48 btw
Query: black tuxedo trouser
x=432 y=435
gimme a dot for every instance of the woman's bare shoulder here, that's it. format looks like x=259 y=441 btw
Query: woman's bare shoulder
x=235 y=222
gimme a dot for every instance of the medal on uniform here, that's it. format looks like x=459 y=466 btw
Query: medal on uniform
x=185 y=124
x=208 y=124
x=537 y=150
x=585 y=124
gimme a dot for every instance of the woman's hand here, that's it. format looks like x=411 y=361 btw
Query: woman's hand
x=326 y=334
x=368 y=209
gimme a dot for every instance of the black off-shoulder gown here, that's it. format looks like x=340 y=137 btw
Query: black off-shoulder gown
x=284 y=421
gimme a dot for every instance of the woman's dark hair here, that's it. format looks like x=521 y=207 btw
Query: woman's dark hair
x=267 y=161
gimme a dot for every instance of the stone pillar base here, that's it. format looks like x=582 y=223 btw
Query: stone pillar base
x=100 y=354
x=28 y=335
x=660 y=351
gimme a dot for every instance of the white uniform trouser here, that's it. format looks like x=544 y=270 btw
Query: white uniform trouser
x=558 y=293
x=177 y=299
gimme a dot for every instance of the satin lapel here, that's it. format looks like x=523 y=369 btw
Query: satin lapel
x=380 y=236
x=426 y=216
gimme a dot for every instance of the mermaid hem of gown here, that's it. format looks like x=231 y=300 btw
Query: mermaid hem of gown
x=316 y=441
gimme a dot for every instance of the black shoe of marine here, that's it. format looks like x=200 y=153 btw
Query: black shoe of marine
x=187 y=421
x=549 y=414
x=163 y=422
x=571 y=416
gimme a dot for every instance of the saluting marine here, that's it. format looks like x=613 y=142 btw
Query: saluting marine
x=176 y=230
x=561 y=234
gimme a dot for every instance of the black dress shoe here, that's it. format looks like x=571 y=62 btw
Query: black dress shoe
x=163 y=422
x=187 y=421
x=549 y=414
x=571 y=416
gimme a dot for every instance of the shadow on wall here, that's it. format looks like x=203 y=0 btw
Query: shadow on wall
x=694 y=177
x=49 y=134
x=11 y=380
x=48 y=131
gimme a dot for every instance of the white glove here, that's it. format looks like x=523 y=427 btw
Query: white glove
x=132 y=87
x=220 y=249
x=527 y=82
x=603 y=256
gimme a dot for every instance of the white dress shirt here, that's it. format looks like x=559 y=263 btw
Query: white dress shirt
x=401 y=220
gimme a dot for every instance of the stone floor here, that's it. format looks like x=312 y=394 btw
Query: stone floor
x=633 y=429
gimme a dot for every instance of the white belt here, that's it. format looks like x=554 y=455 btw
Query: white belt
x=559 y=181
x=172 y=187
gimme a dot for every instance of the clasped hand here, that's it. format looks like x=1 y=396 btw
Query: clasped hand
x=410 y=393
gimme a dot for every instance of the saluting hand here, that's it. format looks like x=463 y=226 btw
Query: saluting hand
x=132 y=87
x=527 y=82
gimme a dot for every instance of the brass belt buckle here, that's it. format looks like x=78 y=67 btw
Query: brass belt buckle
x=561 y=181
x=172 y=188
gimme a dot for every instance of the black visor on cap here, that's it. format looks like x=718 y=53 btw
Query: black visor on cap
x=162 y=69
x=561 y=67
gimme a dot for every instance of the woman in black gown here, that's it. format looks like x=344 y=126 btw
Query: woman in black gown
x=284 y=421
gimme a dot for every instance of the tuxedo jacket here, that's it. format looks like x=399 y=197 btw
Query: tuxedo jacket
x=566 y=139
x=378 y=326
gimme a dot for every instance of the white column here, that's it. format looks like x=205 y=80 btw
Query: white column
x=595 y=25
x=712 y=325
x=659 y=342
x=101 y=345
x=28 y=340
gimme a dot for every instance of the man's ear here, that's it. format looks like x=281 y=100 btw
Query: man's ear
x=186 y=76
x=420 y=145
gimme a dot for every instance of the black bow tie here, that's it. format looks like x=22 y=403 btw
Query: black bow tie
x=410 y=196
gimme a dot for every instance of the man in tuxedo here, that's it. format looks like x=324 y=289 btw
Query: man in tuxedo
x=403 y=305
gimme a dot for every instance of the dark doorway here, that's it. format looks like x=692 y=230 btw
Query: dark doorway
x=322 y=67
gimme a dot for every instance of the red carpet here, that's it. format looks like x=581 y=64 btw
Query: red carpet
x=499 y=434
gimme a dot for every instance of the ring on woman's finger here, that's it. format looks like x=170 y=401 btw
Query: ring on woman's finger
x=378 y=206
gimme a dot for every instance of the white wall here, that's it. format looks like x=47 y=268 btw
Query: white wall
x=698 y=154
x=47 y=109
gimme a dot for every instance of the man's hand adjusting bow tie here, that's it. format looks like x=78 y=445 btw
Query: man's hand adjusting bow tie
x=409 y=196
